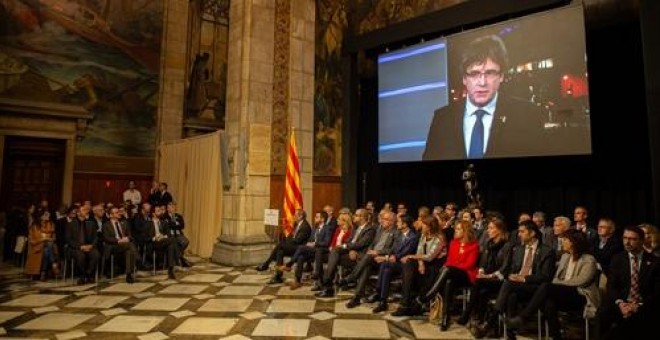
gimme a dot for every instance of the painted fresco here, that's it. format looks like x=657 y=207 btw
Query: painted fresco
x=103 y=55
x=370 y=15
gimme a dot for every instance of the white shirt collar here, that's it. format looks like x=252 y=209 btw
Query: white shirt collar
x=469 y=119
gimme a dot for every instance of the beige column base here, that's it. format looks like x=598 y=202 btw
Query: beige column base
x=232 y=250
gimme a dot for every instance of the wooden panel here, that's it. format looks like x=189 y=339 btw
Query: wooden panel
x=114 y=165
x=327 y=190
x=107 y=187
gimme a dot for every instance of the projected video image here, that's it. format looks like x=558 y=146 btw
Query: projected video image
x=514 y=89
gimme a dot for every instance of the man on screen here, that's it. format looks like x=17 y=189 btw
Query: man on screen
x=487 y=124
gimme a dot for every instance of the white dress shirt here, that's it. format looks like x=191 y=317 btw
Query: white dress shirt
x=470 y=118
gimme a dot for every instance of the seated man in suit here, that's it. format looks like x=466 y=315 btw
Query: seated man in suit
x=606 y=245
x=633 y=291
x=117 y=238
x=81 y=238
x=177 y=224
x=533 y=263
x=386 y=240
x=361 y=238
x=321 y=237
x=390 y=264
x=288 y=246
x=158 y=231
x=487 y=124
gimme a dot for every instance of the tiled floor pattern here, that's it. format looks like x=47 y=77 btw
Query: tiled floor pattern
x=206 y=302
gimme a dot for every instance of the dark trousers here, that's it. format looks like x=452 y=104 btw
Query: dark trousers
x=127 y=249
x=386 y=273
x=302 y=255
x=320 y=257
x=638 y=326
x=281 y=250
x=448 y=280
x=361 y=273
x=556 y=298
x=338 y=256
x=480 y=293
x=181 y=242
x=86 y=261
x=167 y=246
x=511 y=293
x=414 y=283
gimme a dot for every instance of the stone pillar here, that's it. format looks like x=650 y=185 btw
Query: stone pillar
x=301 y=90
x=243 y=240
x=255 y=73
x=172 y=72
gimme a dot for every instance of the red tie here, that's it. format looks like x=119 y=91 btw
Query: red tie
x=527 y=264
x=634 y=280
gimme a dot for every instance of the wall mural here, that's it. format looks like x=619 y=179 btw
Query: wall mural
x=332 y=26
x=100 y=54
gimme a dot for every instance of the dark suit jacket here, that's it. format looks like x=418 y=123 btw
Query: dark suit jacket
x=109 y=232
x=73 y=234
x=300 y=236
x=150 y=231
x=517 y=130
x=364 y=239
x=176 y=223
x=407 y=246
x=543 y=267
x=324 y=236
x=392 y=236
x=618 y=280
x=604 y=255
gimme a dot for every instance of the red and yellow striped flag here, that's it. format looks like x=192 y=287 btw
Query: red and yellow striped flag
x=292 y=192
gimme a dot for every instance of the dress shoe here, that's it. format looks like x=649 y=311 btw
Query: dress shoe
x=130 y=278
x=261 y=268
x=308 y=268
x=515 y=322
x=284 y=268
x=342 y=283
x=382 y=307
x=375 y=297
x=276 y=279
x=444 y=324
x=185 y=263
x=295 y=285
x=353 y=302
x=401 y=311
x=463 y=320
x=316 y=288
x=81 y=281
x=326 y=293
x=170 y=274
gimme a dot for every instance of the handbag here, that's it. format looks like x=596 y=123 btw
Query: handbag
x=435 y=311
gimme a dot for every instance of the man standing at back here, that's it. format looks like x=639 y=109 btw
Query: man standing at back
x=487 y=124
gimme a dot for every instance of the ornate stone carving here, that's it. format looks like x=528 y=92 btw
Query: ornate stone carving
x=280 y=119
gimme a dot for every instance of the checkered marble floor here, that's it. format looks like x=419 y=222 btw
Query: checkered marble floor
x=206 y=301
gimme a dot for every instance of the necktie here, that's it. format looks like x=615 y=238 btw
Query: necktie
x=477 y=139
x=118 y=229
x=634 y=280
x=527 y=264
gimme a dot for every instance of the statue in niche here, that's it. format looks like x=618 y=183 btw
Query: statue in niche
x=469 y=178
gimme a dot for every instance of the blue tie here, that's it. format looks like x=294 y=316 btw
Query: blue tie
x=477 y=140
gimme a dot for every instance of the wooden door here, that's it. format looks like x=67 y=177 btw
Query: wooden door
x=33 y=170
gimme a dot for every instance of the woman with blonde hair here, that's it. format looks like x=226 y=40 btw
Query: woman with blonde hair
x=460 y=269
x=340 y=236
x=651 y=239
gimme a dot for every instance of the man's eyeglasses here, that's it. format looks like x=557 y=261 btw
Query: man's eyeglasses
x=489 y=74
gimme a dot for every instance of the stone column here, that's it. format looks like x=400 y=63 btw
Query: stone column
x=301 y=90
x=256 y=122
x=67 y=184
x=243 y=240
x=172 y=72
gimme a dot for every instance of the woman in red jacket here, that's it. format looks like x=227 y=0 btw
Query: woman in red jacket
x=460 y=268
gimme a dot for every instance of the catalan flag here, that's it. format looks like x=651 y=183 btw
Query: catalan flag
x=292 y=192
